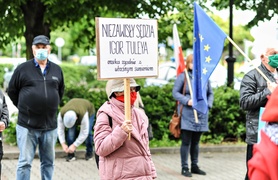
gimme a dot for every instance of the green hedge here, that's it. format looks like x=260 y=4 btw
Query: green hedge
x=226 y=119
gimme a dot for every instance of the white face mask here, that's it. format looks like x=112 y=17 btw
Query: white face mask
x=41 y=54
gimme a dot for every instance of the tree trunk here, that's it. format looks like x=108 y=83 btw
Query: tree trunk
x=33 y=12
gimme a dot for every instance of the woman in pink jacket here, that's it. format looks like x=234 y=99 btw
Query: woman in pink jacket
x=120 y=157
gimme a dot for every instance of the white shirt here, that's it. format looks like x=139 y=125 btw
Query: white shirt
x=83 y=134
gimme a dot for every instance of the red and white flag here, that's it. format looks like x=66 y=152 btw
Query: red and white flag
x=179 y=59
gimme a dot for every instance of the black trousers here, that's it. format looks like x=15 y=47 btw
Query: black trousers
x=189 y=145
x=249 y=154
x=1 y=156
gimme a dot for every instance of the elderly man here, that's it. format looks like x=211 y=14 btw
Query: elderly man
x=36 y=89
x=254 y=91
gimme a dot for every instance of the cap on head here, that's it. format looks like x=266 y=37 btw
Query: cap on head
x=117 y=85
x=41 y=39
x=69 y=119
x=270 y=113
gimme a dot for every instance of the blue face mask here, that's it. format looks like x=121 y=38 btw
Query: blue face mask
x=41 y=54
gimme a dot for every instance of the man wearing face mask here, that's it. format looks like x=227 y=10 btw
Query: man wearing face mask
x=254 y=92
x=36 y=89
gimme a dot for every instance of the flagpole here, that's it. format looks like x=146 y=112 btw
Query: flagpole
x=190 y=91
x=248 y=58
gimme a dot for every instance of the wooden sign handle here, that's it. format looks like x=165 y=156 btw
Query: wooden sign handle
x=127 y=101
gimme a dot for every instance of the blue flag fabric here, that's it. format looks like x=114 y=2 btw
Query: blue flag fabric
x=207 y=50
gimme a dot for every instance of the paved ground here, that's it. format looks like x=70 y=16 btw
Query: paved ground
x=220 y=163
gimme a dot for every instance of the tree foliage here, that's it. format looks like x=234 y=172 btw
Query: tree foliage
x=264 y=9
x=183 y=16
x=30 y=18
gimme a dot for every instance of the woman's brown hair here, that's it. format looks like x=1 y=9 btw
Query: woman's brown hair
x=189 y=59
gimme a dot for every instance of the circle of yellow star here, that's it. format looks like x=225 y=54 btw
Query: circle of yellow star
x=208 y=59
x=206 y=48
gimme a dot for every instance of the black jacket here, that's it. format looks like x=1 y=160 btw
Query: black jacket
x=253 y=95
x=37 y=96
x=4 y=113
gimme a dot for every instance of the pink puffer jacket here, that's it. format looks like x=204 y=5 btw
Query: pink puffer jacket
x=120 y=158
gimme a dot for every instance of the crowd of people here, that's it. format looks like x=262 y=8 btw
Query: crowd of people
x=257 y=87
x=37 y=87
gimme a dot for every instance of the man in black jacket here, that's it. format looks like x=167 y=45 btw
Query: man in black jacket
x=254 y=91
x=36 y=89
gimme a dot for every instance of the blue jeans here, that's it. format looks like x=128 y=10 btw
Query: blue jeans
x=190 y=144
x=27 y=141
x=71 y=135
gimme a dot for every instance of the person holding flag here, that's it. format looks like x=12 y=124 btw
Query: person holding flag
x=254 y=90
x=256 y=85
x=191 y=130
x=207 y=50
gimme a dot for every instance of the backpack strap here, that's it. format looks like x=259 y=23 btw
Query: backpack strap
x=110 y=121
x=97 y=156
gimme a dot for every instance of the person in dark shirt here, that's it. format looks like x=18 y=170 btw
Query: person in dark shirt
x=36 y=89
x=254 y=90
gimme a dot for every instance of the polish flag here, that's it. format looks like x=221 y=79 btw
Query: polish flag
x=178 y=51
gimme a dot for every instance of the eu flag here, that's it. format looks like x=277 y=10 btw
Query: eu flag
x=207 y=50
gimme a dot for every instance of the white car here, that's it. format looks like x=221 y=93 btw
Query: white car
x=167 y=72
x=54 y=58
x=89 y=60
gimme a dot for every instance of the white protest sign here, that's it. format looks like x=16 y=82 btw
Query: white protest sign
x=126 y=48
